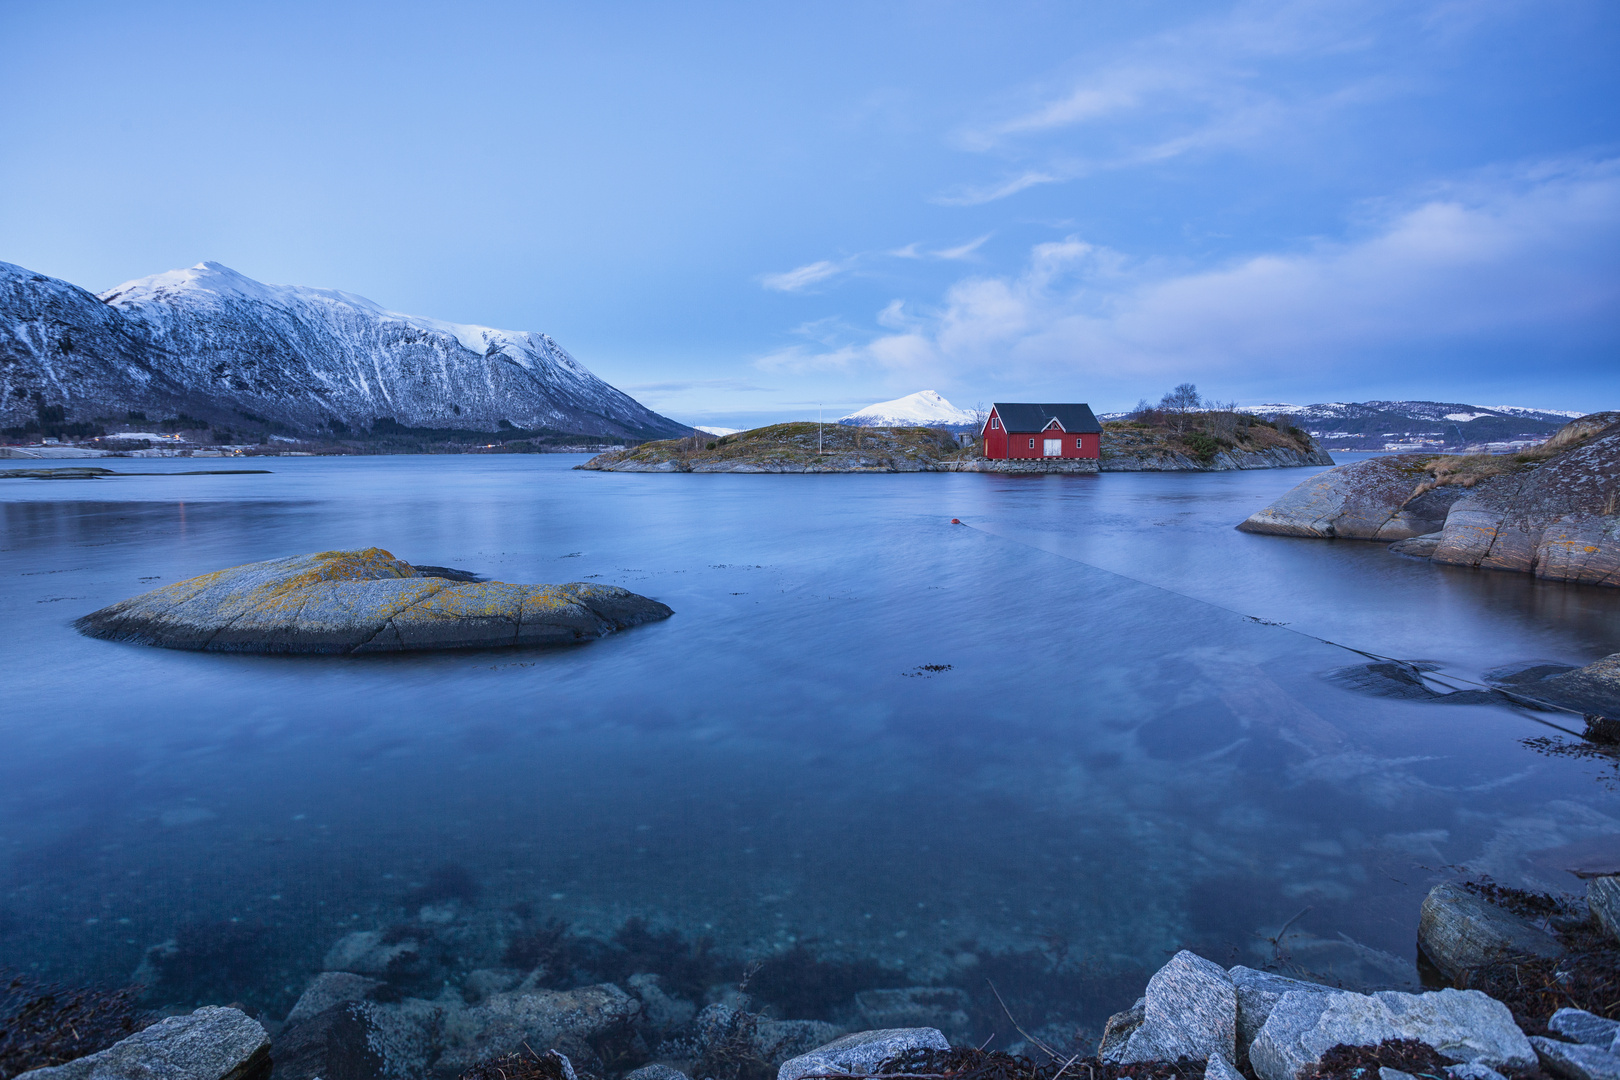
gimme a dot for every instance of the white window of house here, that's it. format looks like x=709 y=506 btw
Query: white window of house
x=995 y=424
x=1032 y=444
x=1054 y=448
x=1079 y=443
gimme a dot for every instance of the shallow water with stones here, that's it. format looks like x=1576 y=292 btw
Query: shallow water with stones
x=1051 y=745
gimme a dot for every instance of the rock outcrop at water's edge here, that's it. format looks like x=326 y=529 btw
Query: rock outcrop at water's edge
x=364 y=601
x=1552 y=513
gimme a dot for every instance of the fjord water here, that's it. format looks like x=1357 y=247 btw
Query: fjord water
x=1125 y=755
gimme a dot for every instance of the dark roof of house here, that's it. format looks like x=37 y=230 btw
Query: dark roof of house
x=1076 y=418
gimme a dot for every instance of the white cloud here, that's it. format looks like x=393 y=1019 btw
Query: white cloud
x=978 y=194
x=803 y=277
x=962 y=251
x=1531 y=253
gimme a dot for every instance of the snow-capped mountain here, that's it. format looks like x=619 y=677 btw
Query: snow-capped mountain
x=1412 y=410
x=1448 y=423
x=925 y=408
x=217 y=345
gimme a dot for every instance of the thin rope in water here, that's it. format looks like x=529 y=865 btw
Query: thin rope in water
x=1519 y=701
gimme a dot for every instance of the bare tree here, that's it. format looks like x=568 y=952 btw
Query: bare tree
x=1181 y=403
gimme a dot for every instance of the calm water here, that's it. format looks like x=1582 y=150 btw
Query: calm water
x=1117 y=763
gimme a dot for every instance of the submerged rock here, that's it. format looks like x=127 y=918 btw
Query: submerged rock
x=213 y=1043
x=362 y=1040
x=943 y=1007
x=727 y=1032
x=862 y=1051
x=364 y=952
x=541 y=1018
x=1460 y=931
x=327 y=989
x=1189 y=1011
x=1463 y=1024
x=363 y=602
x=657 y=1071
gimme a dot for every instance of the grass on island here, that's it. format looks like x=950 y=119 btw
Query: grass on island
x=1199 y=435
x=804 y=443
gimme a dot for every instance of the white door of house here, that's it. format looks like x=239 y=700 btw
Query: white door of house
x=1054 y=447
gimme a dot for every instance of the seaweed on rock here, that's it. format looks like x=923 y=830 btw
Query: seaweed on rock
x=967 y=1063
x=526 y=1065
x=1364 y=1062
x=44 y=1024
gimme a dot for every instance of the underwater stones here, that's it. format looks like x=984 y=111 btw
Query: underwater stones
x=943 y=1007
x=1578 y=1025
x=1575 y=1061
x=861 y=1052
x=362 y=1040
x=659 y=1010
x=1257 y=993
x=213 y=1043
x=503 y=1023
x=1460 y=931
x=1189 y=1011
x=327 y=989
x=364 y=952
x=723 y=1030
x=1463 y=1024
x=362 y=602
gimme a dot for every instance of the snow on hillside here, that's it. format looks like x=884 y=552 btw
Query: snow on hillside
x=925 y=408
x=215 y=343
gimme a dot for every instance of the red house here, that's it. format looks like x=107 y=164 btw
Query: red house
x=1016 y=430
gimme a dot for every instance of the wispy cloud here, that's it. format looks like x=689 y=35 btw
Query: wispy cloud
x=915 y=250
x=803 y=277
x=978 y=194
x=1533 y=252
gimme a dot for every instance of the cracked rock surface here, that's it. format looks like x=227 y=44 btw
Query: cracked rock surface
x=363 y=601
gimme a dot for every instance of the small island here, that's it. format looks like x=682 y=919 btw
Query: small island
x=364 y=601
x=1212 y=441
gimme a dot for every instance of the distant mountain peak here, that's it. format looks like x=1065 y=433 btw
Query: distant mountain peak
x=923 y=408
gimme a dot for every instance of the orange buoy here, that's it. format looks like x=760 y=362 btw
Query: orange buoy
x=956 y=521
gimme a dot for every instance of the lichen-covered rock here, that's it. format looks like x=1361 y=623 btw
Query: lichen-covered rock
x=503 y=1023
x=1257 y=993
x=1365 y=500
x=1460 y=931
x=213 y=1043
x=1462 y=1024
x=1603 y=897
x=861 y=1051
x=1576 y=1061
x=1189 y=1011
x=363 y=602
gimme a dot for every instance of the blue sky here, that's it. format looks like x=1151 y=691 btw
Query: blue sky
x=735 y=211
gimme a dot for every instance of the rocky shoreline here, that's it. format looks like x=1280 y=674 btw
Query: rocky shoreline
x=1529 y=985
x=1553 y=512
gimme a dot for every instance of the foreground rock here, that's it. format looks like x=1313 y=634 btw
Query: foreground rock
x=213 y=1043
x=1460 y=931
x=861 y=1052
x=1550 y=512
x=727 y=1033
x=364 y=601
x=1462 y=1024
x=1189 y=1011
x=554 y=1019
x=360 y=1040
x=1576 y=1061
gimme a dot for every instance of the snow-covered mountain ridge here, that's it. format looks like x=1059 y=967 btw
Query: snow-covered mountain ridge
x=925 y=408
x=212 y=343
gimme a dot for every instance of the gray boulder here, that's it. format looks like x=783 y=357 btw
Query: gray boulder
x=1603 y=897
x=1218 y=1068
x=657 y=1071
x=327 y=989
x=213 y=1043
x=660 y=1010
x=730 y=1031
x=1472 y=1070
x=862 y=1051
x=363 y=602
x=1460 y=931
x=1578 y=1025
x=1462 y=1024
x=1189 y=1011
x=1376 y=499
x=362 y=1040
x=1576 y=1061
x=943 y=1007
x=542 y=1019
x=1257 y=993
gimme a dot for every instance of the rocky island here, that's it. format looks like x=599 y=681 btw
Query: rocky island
x=1202 y=442
x=1549 y=511
x=364 y=601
